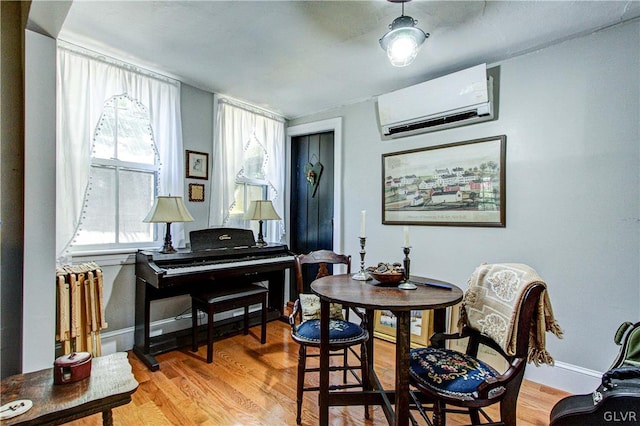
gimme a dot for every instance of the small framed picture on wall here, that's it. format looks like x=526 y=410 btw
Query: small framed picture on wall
x=196 y=192
x=197 y=165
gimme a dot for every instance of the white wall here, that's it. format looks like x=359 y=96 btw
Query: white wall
x=571 y=116
x=39 y=299
x=197 y=135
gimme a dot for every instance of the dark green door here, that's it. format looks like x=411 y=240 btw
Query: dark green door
x=311 y=196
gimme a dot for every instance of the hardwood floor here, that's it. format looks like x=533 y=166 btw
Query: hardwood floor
x=253 y=384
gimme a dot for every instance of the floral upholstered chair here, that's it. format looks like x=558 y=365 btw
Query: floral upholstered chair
x=345 y=336
x=506 y=308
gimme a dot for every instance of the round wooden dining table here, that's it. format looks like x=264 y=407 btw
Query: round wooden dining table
x=373 y=295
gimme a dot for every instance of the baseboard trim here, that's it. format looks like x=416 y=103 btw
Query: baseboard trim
x=567 y=377
x=123 y=339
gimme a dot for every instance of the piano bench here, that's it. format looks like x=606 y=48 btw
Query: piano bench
x=225 y=299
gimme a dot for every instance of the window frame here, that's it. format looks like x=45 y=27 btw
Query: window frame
x=246 y=182
x=119 y=166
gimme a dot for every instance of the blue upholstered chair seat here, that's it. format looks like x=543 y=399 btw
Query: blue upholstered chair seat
x=449 y=372
x=340 y=331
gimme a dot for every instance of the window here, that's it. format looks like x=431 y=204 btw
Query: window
x=119 y=144
x=248 y=164
x=123 y=178
x=250 y=184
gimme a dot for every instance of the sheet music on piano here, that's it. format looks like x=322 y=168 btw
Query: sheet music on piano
x=217 y=256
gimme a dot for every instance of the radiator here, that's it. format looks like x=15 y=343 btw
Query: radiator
x=80 y=308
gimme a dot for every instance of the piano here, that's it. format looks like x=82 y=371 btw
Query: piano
x=218 y=256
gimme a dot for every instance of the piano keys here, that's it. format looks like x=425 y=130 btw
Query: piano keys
x=207 y=266
x=218 y=257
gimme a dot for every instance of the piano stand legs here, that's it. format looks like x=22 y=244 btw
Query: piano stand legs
x=147 y=359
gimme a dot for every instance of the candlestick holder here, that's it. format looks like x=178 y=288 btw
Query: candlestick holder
x=406 y=283
x=362 y=275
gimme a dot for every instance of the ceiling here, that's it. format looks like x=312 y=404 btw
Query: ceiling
x=301 y=57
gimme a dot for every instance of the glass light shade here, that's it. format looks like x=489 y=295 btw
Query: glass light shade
x=402 y=50
x=261 y=210
x=403 y=42
x=168 y=209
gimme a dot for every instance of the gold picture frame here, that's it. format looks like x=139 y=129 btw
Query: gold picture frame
x=196 y=192
x=421 y=327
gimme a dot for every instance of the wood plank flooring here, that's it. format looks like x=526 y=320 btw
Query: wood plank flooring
x=253 y=384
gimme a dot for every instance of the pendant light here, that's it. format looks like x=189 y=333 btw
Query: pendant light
x=403 y=40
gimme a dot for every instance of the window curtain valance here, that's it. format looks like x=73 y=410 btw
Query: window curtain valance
x=236 y=124
x=85 y=80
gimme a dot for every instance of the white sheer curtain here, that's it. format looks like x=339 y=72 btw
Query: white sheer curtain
x=235 y=125
x=85 y=81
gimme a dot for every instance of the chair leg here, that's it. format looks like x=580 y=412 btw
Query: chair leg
x=364 y=374
x=345 y=363
x=508 y=410
x=302 y=361
x=439 y=415
x=509 y=403
x=210 y=334
x=474 y=414
x=263 y=331
x=194 y=327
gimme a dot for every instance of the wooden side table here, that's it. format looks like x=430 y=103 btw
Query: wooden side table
x=110 y=385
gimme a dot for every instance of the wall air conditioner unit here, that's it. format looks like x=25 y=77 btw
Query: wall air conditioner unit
x=457 y=99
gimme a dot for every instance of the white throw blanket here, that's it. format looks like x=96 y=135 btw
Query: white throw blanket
x=492 y=303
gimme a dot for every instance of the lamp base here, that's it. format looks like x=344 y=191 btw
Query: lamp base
x=260 y=242
x=166 y=249
x=168 y=246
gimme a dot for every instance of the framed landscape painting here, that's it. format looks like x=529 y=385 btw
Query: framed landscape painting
x=458 y=184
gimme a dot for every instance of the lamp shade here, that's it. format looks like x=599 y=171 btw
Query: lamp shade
x=168 y=209
x=261 y=210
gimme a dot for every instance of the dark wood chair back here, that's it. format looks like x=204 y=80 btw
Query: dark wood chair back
x=512 y=378
x=321 y=258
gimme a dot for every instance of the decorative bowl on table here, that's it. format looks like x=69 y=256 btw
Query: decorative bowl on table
x=387 y=273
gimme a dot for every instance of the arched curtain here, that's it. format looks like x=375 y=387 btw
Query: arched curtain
x=236 y=124
x=85 y=81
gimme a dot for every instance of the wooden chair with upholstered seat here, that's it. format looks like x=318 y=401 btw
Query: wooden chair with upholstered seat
x=453 y=381
x=344 y=335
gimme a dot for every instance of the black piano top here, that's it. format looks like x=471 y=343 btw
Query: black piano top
x=214 y=238
x=213 y=246
x=217 y=243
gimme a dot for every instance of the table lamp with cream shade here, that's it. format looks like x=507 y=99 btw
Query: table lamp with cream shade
x=261 y=210
x=168 y=209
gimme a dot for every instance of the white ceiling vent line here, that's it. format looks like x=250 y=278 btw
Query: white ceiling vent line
x=459 y=99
